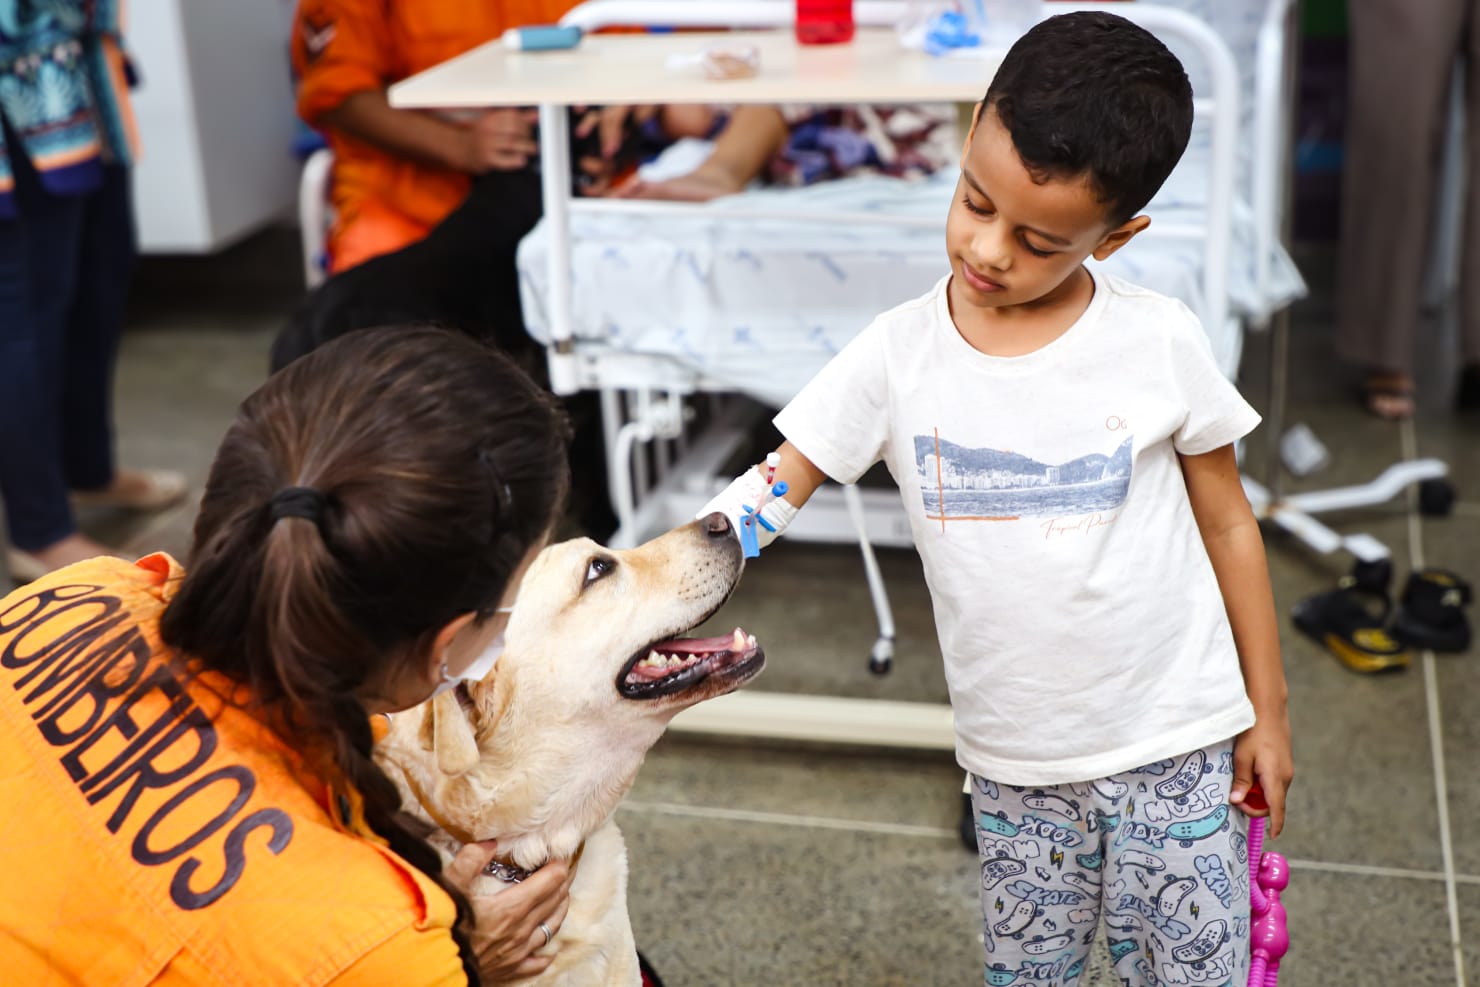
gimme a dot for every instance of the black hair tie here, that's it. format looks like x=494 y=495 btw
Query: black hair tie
x=304 y=502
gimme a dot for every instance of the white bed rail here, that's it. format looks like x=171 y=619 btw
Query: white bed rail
x=313 y=214
x=1273 y=85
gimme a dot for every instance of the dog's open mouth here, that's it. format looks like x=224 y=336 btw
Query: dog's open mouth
x=667 y=668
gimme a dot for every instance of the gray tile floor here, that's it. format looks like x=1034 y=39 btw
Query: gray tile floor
x=782 y=864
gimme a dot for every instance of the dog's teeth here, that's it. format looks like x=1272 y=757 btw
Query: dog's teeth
x=739 y=640
x=750 y=640
x=653 y=658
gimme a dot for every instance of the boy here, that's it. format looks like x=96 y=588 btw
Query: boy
x=1063 y=443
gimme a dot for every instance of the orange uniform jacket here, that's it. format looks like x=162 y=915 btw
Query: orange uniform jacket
x=383 y=202
x=151 y=834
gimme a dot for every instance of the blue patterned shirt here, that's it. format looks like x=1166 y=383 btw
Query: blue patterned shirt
x=63 y=86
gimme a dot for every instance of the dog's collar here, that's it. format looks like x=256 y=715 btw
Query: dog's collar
x=511 y=873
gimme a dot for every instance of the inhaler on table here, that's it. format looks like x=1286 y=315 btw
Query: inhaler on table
x=545 y=37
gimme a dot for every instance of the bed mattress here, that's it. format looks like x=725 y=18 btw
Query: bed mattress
x=759 y=305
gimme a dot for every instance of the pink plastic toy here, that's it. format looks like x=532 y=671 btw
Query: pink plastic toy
x=1269 y=874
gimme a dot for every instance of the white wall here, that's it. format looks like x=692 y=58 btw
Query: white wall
x=215 y=113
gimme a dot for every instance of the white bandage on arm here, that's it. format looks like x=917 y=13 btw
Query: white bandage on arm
x=747 y=490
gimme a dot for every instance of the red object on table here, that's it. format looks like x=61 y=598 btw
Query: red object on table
x=824 y=22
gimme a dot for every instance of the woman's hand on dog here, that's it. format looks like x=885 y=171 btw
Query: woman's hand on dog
x=507 y=929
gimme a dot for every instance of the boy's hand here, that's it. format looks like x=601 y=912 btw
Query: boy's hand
x=497 y=140
x=1263 y=752
x=749 y=490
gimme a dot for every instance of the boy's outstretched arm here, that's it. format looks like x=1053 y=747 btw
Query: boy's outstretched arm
x=1236 y=549
x=801 y=476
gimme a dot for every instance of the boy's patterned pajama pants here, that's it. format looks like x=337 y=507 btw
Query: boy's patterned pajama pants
x=1157 y=856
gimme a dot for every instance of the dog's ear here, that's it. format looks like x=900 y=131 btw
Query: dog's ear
x=491 y=694
x=451 y=735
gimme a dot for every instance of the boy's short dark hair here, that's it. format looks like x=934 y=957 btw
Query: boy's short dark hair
x=1090 y=93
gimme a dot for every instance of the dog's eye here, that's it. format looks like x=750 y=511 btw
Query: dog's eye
x=598 y=567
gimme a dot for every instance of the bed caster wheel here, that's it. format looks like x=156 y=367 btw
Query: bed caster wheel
x=967 y=826
x=1435 y=498
x=881 y=658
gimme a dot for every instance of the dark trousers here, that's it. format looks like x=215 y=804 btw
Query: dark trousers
x=65 y=265
x=463 y=276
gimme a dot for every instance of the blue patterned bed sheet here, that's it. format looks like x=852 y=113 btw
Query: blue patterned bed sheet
x=760 y=305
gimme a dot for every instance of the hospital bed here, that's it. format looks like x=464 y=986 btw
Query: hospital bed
x=666 y=309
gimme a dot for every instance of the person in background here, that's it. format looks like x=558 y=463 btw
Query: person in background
x=1403 y=54
x=803 y=145
x=66 y=258
x=186 y=752
x=398 y=173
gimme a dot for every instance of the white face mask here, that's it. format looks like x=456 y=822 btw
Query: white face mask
x=480 y=667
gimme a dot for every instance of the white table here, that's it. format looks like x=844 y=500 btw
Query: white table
x=632 y=69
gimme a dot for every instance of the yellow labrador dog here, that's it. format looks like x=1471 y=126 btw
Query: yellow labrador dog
x=539 y=752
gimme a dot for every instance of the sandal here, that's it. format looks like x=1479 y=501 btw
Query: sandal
x=24 y=567
x=27 y=567
x=1344 y=623
x=1388 y=395
x=1431 y=614
x=156 y=490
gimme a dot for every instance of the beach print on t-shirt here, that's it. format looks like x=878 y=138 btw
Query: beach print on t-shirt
x=959 y=483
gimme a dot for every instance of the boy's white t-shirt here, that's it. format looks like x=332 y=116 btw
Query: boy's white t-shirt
x=1081 y=623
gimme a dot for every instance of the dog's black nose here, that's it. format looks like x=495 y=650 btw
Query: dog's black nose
x=717 y=525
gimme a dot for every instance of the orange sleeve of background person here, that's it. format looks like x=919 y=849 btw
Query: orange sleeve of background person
x=383 y=202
